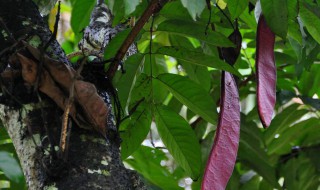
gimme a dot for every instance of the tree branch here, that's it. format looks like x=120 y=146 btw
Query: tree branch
x=154 y=7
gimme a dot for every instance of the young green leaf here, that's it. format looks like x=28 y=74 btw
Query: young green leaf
x=266 y=72
x=180 y=140
x=190 y=94
x=224 y=151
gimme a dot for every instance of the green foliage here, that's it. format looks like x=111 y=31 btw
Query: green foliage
x=236 y=7
x=195 y=30
x=276 y=13
x=135 y=132
x=81 y=11
x=147 y=161
x=190 y=94
x=194 y=7
x=171 y=89
x=11 y=176
x=10 y=167
x=311 y=19
x=180 y=140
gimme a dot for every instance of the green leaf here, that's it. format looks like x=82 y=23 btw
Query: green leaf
x=195 y=30
x=264 y=185
x=311 y=20
x=147 y=161
x=155 y=65
x=310 y=81
x=141 y=90
x=10 y=167
x=249 y=20
x=3 y=133
x=197 y=58
x=130 y=6
x=306 y=174
x=290 y=174
x=180 y=140
x=115 y=44
x=136 y=132
x=125 y=81
x=7 y=147
x=276 y=14
x=282 y=121
x=256 y=159
x=118 y=10
x=190 y=94
x=195 y=7
x=175 y=10
x=80 y=16
x=292 y=136
x=143 y=5
x=252 y=184
x=198 y=74
x=293 y=24
x=236 y=7
x=251 y=152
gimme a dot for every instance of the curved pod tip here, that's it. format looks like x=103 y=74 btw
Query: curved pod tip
x=266 y=72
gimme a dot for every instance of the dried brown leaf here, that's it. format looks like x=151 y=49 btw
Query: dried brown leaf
x=28 y=70
x=94 y=109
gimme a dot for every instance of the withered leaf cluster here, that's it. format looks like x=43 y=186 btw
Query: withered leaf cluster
x=57 y=80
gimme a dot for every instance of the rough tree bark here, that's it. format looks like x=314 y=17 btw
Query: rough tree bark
x=93 y=162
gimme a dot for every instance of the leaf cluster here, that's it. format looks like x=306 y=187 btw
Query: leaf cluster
x=170 y=92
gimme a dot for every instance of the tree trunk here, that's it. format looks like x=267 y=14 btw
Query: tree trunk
x=93 y=162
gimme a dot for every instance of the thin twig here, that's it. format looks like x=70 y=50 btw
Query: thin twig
x=64 y=132
x=209 y=19
x=154 y=7
x=74 y=54
x=151 y=139
x=84 y=52
x=65 y=127
x=229 y=20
